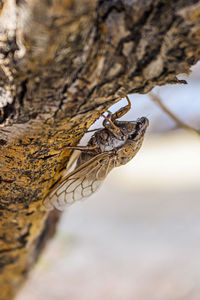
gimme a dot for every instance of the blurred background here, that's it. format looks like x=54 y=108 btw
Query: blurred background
x=138 y=237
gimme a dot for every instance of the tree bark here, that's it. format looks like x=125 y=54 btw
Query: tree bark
x=62 y=64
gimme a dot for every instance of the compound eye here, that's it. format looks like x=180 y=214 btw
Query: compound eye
x=132 y=136
x=139 y=125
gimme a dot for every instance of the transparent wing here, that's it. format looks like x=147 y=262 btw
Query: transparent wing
x=82 y=182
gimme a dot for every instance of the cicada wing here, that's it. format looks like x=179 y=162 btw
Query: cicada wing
x=82 y=182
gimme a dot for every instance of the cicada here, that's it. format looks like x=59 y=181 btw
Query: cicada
x=111 y=146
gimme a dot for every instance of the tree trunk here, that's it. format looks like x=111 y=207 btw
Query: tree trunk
x=63 y=63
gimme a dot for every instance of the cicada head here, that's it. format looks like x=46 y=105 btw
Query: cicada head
x=133 y=142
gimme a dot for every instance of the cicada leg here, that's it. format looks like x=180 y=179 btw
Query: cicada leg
x=112 y=128
x=122 y=111
x=92 y=130
x=82 y=148
x=112 y=120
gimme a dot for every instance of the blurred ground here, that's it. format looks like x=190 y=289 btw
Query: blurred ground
x=138 y=238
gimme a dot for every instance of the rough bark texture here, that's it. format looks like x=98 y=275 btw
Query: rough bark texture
x=62 y=64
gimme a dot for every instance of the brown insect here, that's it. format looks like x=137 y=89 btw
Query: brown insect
x=112 y=146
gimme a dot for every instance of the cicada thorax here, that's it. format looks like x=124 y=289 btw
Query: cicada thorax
x=134 y=135
x=107 y=141
x=105 y=144
x=123 y=147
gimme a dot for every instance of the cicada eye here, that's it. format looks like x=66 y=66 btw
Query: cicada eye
x=139 y=125
x=132 y=136
x=137 y=129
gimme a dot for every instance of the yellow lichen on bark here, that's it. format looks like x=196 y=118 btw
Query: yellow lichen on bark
x=28 y=168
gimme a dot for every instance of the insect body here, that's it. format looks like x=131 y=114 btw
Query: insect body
x=114 y=145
